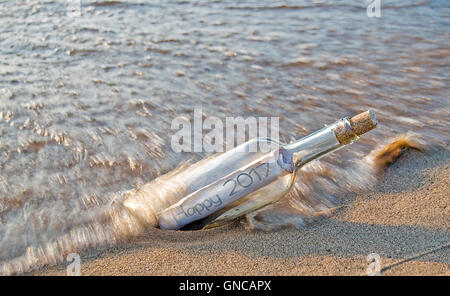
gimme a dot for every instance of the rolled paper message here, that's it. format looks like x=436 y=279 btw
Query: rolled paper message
x=221 y=193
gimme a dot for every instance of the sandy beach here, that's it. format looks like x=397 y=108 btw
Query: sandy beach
x=405 y=219
x=96 y=95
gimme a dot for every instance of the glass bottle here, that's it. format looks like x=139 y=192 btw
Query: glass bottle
x=214 y=185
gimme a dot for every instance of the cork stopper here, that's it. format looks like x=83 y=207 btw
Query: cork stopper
x=349 y=130
x=363 y=122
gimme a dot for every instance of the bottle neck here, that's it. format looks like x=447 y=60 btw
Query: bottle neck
x=317 y=144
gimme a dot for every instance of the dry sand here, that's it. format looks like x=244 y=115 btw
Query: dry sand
x=405 y=219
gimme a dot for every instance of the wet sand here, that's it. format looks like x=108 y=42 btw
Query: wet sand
x=405 y=219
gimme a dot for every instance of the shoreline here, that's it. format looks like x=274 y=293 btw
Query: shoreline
x=404 y=219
